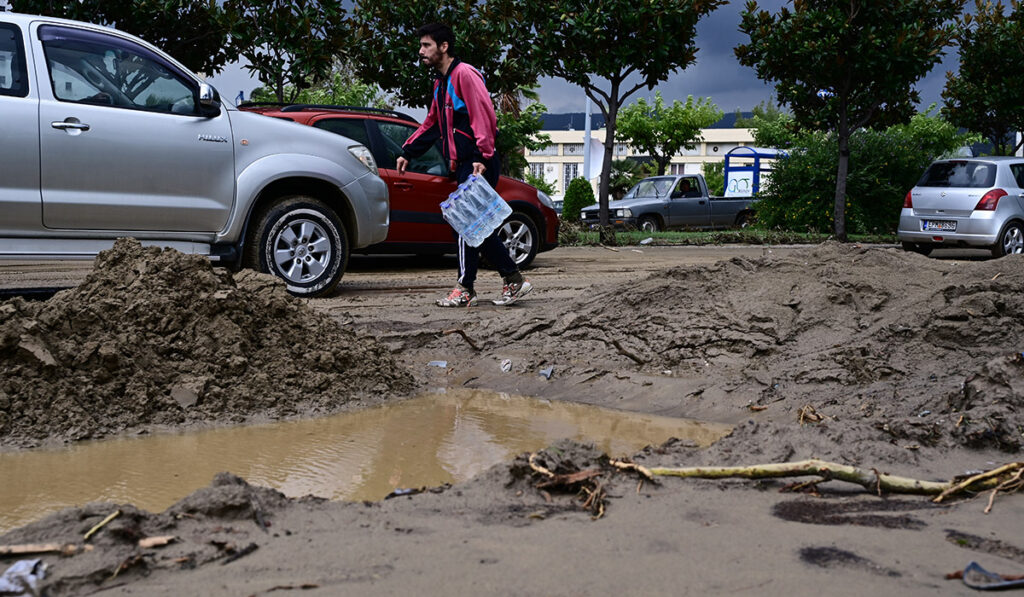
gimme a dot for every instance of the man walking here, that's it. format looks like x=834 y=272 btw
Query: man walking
x=462 y=116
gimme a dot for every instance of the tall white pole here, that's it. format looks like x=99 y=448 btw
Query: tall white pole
x=586 y=144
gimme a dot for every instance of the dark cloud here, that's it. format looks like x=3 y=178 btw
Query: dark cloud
x=717 y=74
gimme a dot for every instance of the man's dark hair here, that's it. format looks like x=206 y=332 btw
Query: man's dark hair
x=440 y=33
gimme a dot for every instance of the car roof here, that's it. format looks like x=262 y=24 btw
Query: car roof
x=313 y=109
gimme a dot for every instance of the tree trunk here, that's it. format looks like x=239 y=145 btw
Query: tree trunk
x=839 y=213
x=609 y=147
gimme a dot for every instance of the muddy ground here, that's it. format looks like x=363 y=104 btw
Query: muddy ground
x=866 y=356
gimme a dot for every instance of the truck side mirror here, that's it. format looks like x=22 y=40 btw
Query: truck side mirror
x=209 y=101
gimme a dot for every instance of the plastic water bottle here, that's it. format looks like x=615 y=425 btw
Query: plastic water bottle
x=475 y=210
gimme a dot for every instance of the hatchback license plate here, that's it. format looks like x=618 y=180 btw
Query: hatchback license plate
x=940 y=225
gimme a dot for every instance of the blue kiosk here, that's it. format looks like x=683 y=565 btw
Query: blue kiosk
x=744 y=179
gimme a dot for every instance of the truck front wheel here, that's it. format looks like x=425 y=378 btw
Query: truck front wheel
x=648 y=224
x=302 y=241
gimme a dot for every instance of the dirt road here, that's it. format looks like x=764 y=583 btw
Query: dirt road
x=865 y=356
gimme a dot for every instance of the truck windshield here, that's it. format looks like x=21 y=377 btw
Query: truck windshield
x=652 y=187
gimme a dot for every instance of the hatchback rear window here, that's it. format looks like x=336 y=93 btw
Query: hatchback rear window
x=959 y=173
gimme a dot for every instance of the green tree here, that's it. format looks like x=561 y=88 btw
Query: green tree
x=341 y=88
x=885 y=165
x=763 y=113
x=714 y=176
x=191 y=31
x=578 y=195
x=985 y=95
x=386 y=48
x=516 y=132
x=841 y=65
x=386 y=51
x=661 y=131
x=624 y=174
x=594 y=45
x=288 y=44
x=542 y=185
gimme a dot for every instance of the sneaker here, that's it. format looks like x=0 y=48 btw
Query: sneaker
x=513 y=291
x=458 y=297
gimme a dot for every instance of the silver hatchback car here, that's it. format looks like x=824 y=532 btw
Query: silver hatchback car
x=966 y=202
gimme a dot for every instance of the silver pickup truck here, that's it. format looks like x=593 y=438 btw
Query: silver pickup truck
x=679 y=201
x=104 y=136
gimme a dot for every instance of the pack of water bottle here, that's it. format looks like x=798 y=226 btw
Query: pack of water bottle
x=475 y=210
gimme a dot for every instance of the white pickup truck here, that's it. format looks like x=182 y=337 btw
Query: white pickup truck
x=105 y=136
x=678 y=201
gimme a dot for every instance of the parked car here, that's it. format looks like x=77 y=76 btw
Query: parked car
x=416 y=223
x=678 y=201
x=105 y=136
x=966 y=202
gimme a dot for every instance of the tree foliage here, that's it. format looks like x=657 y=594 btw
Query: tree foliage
x=516 y=132
x=624 y=174
x=341 y=88
x=845 y=64
x=193 y=32
x=662 y=131
x=885 y=165
x=578 y=195
x=288 y=44
x=594 y=45
x=386 y=47
x=985 y=95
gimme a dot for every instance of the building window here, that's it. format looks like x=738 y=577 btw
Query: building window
x=551 y=149
x=621 y=149
x=572 y=171
x=537 y=170
x=572 y=149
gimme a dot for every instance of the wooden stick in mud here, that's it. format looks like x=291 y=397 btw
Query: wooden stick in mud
x=101 y=524
x=464 y=337
x=989 y=478
x=870 y=479
x=64 y=549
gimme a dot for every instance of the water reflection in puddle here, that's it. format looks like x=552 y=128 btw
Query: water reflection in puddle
x=425 y=441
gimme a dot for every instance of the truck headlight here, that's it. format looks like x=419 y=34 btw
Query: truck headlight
x=362 y=153
x=544 y=199
x=623 y=213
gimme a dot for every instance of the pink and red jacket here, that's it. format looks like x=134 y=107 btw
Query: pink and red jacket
x=461 y=116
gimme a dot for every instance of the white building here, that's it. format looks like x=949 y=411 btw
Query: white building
x=562 y=161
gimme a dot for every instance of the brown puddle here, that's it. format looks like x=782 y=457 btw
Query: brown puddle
x=426 y=441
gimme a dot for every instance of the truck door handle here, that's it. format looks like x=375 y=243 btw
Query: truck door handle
x=71 y=124
x=405 y=186
x=701 y=202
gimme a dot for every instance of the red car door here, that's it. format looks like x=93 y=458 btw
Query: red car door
x=416 y=196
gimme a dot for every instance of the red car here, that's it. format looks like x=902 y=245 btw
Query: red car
x=416 y=223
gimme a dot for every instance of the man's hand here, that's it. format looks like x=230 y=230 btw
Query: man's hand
x=401 y=164
x=478 y=168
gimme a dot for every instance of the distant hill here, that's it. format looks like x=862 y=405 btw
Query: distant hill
x=576 y=121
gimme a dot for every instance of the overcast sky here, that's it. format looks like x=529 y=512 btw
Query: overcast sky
x=716 y=74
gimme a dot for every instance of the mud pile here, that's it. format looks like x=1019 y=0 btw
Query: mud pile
x=154 y=337
x=861 y=342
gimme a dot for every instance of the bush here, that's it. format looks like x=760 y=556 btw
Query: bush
x=714 y=176
x=884 y=165
x=577 y=196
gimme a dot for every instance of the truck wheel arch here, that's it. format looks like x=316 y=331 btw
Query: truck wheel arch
x=286 y=187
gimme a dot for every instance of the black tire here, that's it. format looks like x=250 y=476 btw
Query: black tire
x=648 y=224
x=520 y=236
x=922 y=248
x=302 y=241
x=1011 y=240
x=744 y=219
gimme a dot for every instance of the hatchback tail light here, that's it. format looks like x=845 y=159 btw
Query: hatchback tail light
x=908 y=203
x=990 y=200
